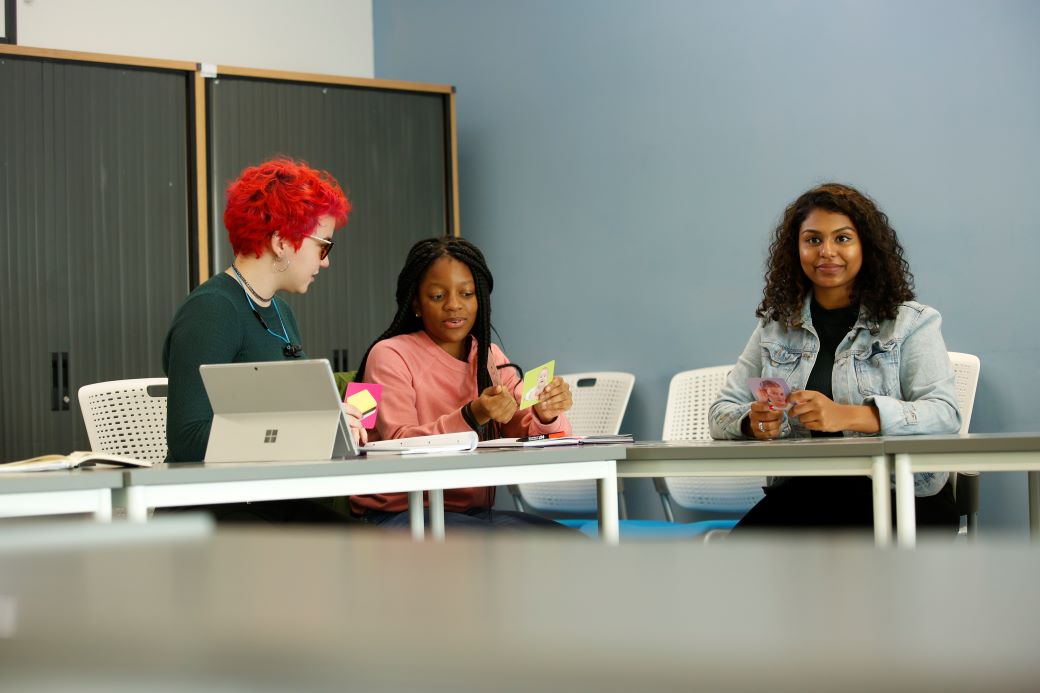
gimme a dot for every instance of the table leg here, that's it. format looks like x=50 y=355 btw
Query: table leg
x=1034 y=506
x=415 y=515
x=136 y=504
x=882 y=502
x=606 y=492
x=104 y=509
x=437 y=514
x=906 y=513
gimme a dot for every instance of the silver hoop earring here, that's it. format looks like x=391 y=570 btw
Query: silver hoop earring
x=275 y=266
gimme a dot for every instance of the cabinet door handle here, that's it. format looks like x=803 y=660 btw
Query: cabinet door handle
x=55 y=377
x=65 y=399
x=340 y=358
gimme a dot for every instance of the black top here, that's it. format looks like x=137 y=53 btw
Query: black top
x=832 y=326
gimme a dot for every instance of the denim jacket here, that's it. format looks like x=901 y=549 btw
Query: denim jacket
x=900 y=365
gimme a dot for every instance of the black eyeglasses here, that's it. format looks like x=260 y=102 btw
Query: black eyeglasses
x=326 y=245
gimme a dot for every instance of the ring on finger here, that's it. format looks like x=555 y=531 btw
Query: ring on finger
x=762 y=426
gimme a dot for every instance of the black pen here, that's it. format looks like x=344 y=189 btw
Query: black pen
x=529 y=439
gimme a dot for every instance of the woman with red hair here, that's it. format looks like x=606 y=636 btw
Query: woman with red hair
x=280 y=217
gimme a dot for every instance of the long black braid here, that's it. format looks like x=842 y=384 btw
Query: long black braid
x=420 y=257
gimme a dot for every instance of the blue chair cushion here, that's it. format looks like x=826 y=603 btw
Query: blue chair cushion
x=653 y=529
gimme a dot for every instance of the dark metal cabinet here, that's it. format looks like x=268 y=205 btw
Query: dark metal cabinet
x=94 y=226
x=389 y=149
x=99 y=221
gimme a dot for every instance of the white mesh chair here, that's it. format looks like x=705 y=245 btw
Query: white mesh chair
x=126 y=417
x=966 y=484
x=600 y=400
x=690 y=395
x=966 y=373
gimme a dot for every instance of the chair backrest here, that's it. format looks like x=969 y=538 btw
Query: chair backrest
x=690 y=395
x=600 y=401
x=343 y=378
x=966 y=372
x=965 y=488
x=126 y=417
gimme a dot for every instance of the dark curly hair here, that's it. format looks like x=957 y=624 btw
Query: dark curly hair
x=884 y=281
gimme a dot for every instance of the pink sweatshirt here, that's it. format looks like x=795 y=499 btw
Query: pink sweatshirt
x=424 y=390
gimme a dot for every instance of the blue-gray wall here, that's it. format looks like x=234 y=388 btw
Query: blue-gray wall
x=623 y=162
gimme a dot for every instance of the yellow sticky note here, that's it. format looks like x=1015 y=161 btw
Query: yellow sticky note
x=364 y=401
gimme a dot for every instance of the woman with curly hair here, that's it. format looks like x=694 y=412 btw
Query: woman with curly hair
x=839 y=323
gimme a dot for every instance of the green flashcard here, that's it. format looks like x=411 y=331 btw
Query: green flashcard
x=535 y=381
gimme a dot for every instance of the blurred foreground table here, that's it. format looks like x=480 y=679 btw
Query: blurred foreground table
x=289 y=609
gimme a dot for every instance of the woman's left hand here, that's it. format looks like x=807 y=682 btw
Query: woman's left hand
x=554 y=400
x=354 y=419
x=817 y=411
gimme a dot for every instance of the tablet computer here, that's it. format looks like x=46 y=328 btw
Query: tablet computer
x=276 y=411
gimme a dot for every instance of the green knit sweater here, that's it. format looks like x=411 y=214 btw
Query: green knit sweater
x=215 y=324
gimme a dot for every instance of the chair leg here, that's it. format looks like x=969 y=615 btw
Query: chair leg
x=661 y=486
x=668 y=514
x=622 y=508
x=514 y=491
x=966 y=499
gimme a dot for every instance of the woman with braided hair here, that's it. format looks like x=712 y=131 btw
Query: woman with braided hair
x=441 y=374
x=839 y=323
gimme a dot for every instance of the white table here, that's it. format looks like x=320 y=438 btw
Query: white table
x=24 y=494
x=786 y=457
x=974 y=452
x=184 y=484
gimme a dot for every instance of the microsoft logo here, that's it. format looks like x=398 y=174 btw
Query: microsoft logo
x=271 y=436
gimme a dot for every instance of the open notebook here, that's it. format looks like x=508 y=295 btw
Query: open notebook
x=552 y=441
x=46 y=463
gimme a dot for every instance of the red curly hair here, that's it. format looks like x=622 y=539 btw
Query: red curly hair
x=280 y=195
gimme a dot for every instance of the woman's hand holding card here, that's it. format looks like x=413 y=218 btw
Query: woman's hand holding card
x=555 y=399
x=495 y=402
x=774 y=391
